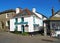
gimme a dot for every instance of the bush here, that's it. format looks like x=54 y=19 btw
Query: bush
x=25 y=33
x=18 y=32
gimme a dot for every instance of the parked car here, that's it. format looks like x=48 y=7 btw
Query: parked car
x=56 y=33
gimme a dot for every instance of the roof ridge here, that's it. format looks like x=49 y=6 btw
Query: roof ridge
x=9 y=10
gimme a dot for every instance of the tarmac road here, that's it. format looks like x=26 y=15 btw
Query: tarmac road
x=6 y=37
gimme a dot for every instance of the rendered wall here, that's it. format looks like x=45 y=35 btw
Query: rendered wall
x=12 y=24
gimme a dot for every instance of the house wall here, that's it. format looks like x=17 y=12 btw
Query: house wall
x=19 y=26
x=26 y=19
x=37 y=21
x=32 y=19
x=30 y=23
x=3 y=16
x=12 y=24
x=4 y=20
x=11 y=14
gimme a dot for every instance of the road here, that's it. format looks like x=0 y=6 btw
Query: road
x=6 y=37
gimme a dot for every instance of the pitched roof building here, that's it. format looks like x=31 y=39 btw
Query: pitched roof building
x=5 y=18
x=27 y=21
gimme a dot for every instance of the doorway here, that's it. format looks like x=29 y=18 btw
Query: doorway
x=22 y=27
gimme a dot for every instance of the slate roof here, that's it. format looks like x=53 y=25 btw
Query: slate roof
x=7 y=11
x=55 y=13
x=41 y=14
x=27 y=11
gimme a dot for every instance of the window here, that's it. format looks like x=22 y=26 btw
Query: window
x=7 y=23
x=56 y=25
x=16 y=19
x=22 y=19
x=7 y=15
x=36 y=26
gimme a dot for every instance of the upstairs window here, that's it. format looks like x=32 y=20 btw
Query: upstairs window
x=22 y=19
x=16 y=19
x=7 y=15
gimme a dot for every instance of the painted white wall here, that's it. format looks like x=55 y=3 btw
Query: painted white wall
x=34 y=11
x=19 y=28
x=38 y=21
x=12 y=25
x=26 y=19
x=30 y=23
x=19 y=20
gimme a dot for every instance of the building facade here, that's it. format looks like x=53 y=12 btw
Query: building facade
x=53 y=24
x=26 y=21
x=5 y=18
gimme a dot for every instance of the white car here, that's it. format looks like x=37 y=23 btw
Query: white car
x=56 y=33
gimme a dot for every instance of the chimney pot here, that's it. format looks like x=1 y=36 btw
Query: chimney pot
x=34 y=10
x=18 y=10
x=52 y=11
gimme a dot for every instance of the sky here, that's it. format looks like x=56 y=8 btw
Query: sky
x=42 y=6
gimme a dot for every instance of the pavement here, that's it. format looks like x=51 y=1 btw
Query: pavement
x=6 y=37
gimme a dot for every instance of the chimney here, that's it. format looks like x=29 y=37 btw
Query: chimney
x=18 y=10
x=34 y=10
x=52 y=11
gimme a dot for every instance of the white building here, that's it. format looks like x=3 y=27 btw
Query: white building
x=26 y=21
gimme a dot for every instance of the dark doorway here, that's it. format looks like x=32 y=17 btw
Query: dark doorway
x=22 y=26
x=8 y=24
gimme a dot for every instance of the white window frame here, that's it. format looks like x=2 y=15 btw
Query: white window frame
x=7 y=15
x=6 y=23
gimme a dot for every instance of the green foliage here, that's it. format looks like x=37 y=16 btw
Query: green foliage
x=18 y=32
x=25 y=33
